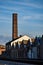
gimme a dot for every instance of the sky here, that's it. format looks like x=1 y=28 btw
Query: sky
x=30 y=18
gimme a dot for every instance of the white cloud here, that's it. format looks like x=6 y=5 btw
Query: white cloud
x=34 y=17
x=33 y=24
x=36 y=25
x=27 y=4
x=5 y=19
x=7 y=7
x=4 y=39
x=11 y=8
x=20 y=3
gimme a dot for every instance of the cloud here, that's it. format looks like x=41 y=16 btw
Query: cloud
x=36 y=25
x=7 y=7
x=4 y=39
x=34 y=17
x=27 y=4
x=11 y=8
x=33 y=24
x=5 y=19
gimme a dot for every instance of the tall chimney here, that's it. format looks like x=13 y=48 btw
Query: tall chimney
x=14 y=27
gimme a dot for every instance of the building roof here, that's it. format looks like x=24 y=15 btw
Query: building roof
x=25 y=37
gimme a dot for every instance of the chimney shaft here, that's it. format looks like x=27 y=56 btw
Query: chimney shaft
x=14 y=27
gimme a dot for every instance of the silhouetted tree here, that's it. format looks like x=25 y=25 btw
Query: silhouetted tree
x=28 y=45
x=22 y=44
x=36 y=41
x=41 y=41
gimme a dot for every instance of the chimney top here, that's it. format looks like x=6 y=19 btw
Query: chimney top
x=14 y=13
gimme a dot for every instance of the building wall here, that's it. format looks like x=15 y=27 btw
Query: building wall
x=34 y=51
x=41 y=51
x=41 y=48
x=1 y=51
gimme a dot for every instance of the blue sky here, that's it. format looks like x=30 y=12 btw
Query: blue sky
x=30 y=17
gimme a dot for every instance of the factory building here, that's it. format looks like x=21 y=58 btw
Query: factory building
x=18 y=46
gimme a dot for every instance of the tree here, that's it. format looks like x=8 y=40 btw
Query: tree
x=36 y=41
x=22 y=44
x=28 y=45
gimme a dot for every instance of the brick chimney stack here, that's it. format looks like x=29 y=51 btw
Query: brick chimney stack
x=14 y=27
